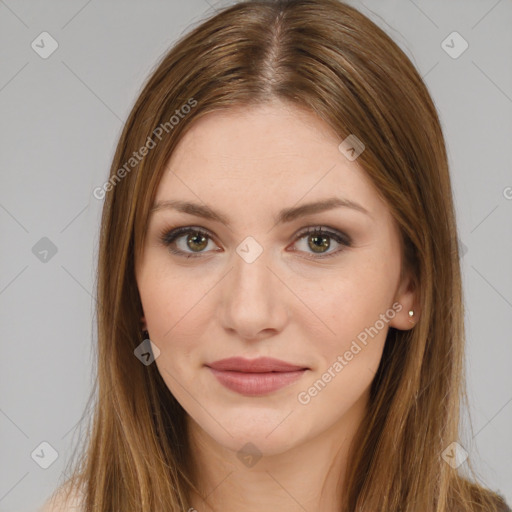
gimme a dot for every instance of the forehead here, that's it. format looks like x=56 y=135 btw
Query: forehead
x=256 y=133
x=272 y=153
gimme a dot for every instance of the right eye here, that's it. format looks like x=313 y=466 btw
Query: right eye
x=197 y=238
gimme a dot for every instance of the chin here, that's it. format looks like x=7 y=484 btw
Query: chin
x=271 y=437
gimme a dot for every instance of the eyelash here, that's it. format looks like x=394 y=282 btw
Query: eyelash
x=168 y=237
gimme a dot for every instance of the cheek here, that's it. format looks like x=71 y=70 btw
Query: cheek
x=168 y=294
x=347 y=350
x=349 y=301
x=352 y=314
x=173 y=321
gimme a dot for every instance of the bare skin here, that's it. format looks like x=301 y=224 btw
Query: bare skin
x=290 y=303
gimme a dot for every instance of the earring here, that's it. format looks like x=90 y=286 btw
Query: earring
x=145 y=334
x=411 y=314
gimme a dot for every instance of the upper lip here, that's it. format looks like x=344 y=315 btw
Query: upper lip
x=259 y=365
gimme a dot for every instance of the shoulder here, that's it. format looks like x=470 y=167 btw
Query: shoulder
x=60 y=501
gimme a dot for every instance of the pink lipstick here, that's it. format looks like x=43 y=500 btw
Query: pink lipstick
x=253 y=377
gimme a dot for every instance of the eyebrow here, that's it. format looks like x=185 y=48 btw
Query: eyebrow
x=285 y=215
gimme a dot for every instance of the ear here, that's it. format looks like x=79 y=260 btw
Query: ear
x=406 y=296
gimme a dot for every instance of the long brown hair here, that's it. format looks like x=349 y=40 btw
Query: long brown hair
x=327 y=57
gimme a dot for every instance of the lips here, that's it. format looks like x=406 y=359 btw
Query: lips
x=259 y=365
x=257 y=376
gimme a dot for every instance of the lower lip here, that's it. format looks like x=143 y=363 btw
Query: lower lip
x=254 y=384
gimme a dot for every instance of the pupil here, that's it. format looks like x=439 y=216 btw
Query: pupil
x=323 y=244
x=202 y=244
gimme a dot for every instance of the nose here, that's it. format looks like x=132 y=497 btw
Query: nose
x=255 y=300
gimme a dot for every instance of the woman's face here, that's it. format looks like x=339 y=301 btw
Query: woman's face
x=258 y=284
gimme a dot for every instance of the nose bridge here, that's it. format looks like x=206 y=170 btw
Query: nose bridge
x=252 y=299
x=252 y=278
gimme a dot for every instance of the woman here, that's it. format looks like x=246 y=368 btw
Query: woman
x=280 y=312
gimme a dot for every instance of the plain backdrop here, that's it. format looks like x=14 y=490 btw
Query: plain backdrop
x=61 y=117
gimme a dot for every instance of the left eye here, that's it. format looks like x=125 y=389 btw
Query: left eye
x=197 y=240
x=317 y=239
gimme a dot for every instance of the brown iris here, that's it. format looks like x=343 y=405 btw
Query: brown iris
x=319 y=242
x=197 y=241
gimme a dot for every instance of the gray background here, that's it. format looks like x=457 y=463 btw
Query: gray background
x=61 y=118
